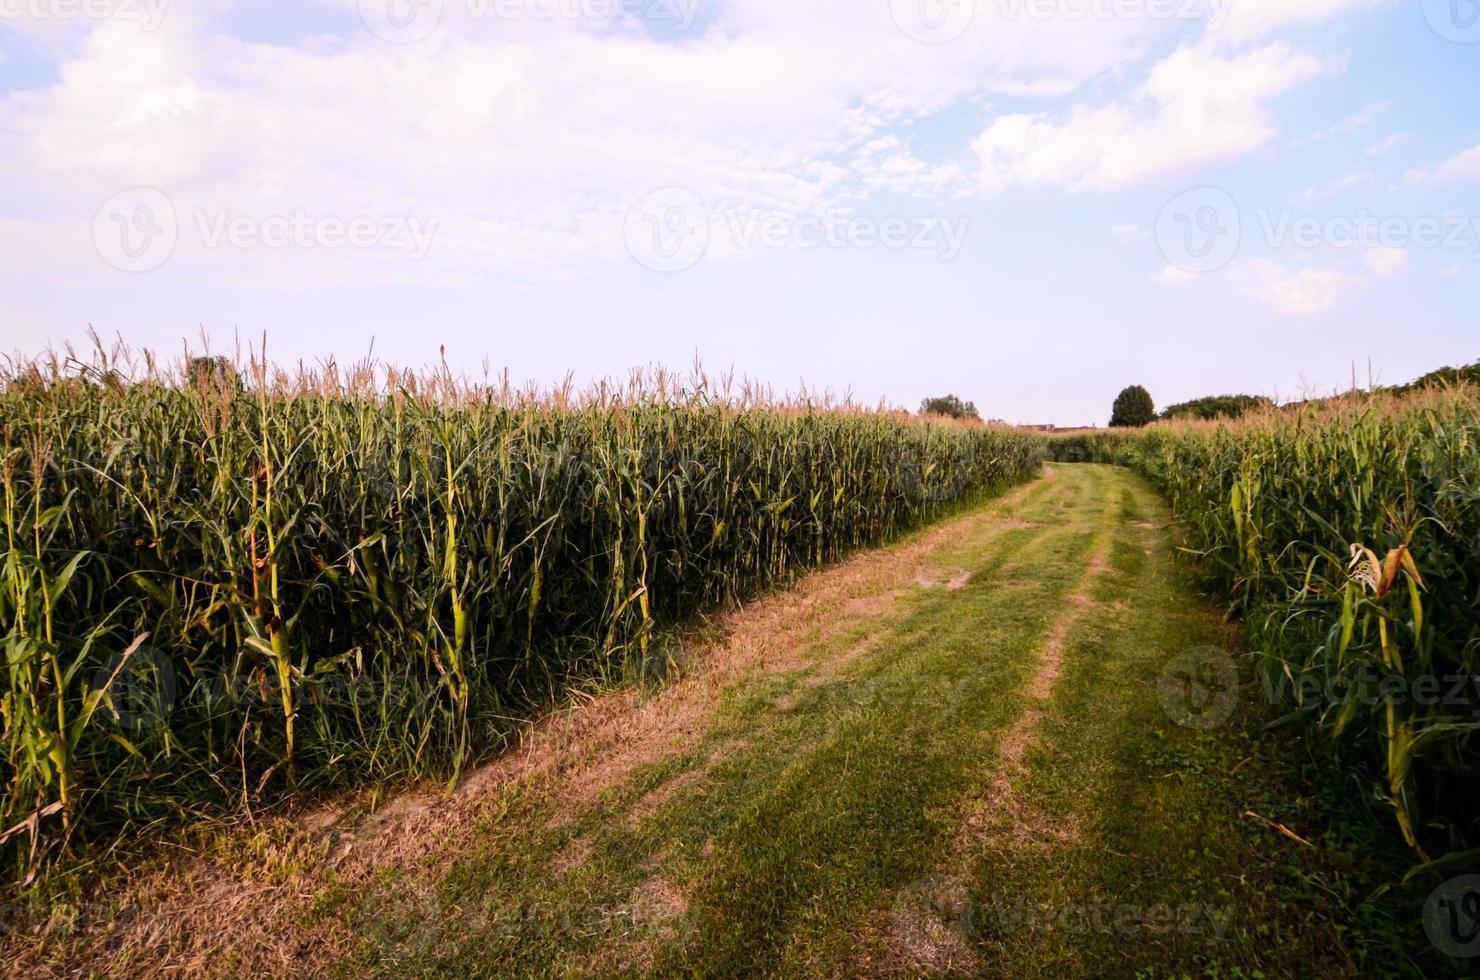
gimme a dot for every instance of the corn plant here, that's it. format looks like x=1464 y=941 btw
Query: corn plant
x=231 y=586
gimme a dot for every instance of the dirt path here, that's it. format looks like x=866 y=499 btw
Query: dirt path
x=945 y=757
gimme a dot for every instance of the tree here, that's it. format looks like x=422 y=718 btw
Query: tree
x=1442 y=378
x=1217 y=407
x=949 y=405
x=1133 y=408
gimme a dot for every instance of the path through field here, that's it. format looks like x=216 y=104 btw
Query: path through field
x=945 y=757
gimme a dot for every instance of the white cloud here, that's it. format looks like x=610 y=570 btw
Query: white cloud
x=1249 y=19
x=1173 y=275
x=1195 y=107
x=1378 y=149
x=889 y=164
x=1360 y=178
x=1357 y=120
x=1297 y=294
x=529 y=140
x=1130 y=234
x=1462 y=167
x=1385 y=262
x=1449 y=272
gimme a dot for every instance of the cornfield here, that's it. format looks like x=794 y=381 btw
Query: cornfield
x=1347 y=535
x=225 y=585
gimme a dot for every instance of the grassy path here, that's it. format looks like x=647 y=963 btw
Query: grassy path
x=944 y=758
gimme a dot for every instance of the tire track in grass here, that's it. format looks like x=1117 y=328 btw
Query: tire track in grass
x=1103 y=718
x=1165 y=877
x=920 y=933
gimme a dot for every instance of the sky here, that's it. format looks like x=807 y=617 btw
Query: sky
x=1027 y=203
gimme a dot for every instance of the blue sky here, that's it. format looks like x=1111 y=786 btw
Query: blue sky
x=1029 y=203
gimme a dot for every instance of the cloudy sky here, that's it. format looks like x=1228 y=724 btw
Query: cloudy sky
x=1030 y=203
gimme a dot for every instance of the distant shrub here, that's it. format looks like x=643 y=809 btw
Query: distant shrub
x=950 y=406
